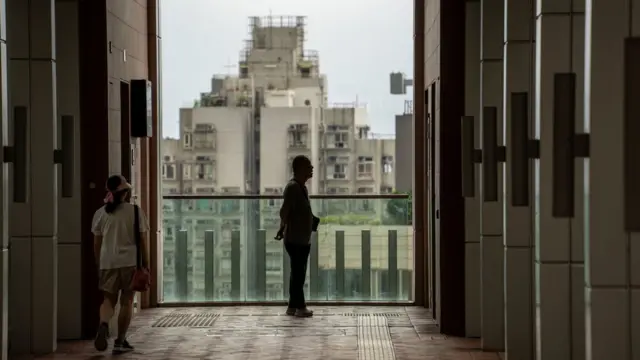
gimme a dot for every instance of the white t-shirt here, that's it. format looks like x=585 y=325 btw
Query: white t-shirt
x=118 y=237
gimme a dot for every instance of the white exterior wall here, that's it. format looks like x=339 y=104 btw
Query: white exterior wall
x=314 y=94
x=230 y=153
x=274 y=144
x=279 y=98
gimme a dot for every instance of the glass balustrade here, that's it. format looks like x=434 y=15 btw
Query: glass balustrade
x=222 y=249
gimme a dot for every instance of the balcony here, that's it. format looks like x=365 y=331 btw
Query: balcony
x=355 y=256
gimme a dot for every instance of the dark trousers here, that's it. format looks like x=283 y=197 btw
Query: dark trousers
x=298 y=256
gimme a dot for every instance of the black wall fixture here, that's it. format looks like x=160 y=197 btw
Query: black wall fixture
x=492 y=154
x=567 y=145
x=522 y=149
x=470 y=157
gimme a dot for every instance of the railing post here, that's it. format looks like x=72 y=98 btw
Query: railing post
x=340 y=264
x=235 y=265
x=286 y=273
x=180 y=264
x=407 y=285
x=393 y=264
x=366 y=263
x=260 y=292
x=209 y=274
x=314 y=276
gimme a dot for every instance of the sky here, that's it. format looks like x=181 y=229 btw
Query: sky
x=359 y=42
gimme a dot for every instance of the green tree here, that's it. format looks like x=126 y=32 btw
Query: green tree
x=399 y=210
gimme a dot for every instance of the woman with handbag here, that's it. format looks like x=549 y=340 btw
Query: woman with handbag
x=120 y=232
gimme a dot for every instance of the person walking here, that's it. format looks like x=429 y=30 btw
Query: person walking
x=297 y=222
x=117 y=248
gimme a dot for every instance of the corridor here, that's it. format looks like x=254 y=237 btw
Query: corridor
x=338 y=332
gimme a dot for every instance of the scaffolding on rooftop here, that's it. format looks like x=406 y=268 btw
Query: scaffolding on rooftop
x=273 y=21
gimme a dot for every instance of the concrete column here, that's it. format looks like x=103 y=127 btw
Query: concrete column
x=34 y=255
x=492 y=248
x=70 y=225
x=559 y=259
x=518 y=230
x=611 y=238
x=472 y=205
x=4 y=191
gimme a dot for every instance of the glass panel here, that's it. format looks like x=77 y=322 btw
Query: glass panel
x=221 y=250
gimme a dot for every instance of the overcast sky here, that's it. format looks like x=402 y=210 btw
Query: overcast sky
x=360 y=42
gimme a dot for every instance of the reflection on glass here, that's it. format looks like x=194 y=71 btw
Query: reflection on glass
x=221 y=250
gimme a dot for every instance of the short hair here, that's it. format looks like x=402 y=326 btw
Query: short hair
x=298 y=162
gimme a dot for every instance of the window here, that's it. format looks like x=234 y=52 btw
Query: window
x=168 y=259
x=205 y=171
x=337 y=171
x=365 y=169
x=169 y=171
x=386 y=190
x=387 y=164
x=341 y=137
x=274 y=263
x=186 y=171
x=187 y=140
x=225 y=266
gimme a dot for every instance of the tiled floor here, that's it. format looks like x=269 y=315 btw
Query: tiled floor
x=265 y=333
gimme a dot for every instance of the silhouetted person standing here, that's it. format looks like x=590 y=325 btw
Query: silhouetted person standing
x=297 y=224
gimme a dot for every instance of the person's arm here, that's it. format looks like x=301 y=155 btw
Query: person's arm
x=97 y=246
x=96 y=229
x=287 y=205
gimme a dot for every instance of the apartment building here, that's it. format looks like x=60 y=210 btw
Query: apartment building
x=404 y=149
x=240 y=138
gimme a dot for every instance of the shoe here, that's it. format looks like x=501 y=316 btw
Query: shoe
x=121 y=347
x=304 y=313
x=291 y=311
x=101 y=338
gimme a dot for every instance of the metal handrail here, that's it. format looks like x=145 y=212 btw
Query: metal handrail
x=268 y=197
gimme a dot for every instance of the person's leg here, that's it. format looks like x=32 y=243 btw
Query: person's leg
x=303 y=258
x=109 y=287
x=126 y=310
x=293 y=301
x=124 y=320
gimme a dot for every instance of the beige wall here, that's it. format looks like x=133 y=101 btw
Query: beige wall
x=274 y=144
x=127 y=60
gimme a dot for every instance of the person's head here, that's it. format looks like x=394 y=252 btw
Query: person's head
x=118 y=191
x=302 y=168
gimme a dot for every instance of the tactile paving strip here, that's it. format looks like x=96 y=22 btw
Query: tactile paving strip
x=374 y=339
x=198 y=320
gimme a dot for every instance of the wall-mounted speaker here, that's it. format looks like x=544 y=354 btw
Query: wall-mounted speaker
x=141 y=108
